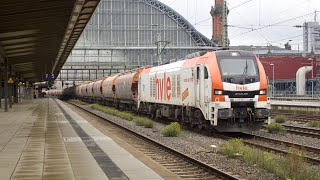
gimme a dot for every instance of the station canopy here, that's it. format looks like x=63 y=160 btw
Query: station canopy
x=36 y=37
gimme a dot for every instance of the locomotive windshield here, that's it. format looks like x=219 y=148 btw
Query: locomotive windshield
x=238 y=67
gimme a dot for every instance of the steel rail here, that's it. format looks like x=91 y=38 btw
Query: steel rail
x=303 y=131
x=313 y=150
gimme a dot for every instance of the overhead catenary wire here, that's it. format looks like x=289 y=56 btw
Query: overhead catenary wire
x=280 y=22
x=267 y=40
x=288 y=38
x=174 y=1
x=240 y=4
x=204 y=20
x=240 y=27
x=260 y=26
x=283 y=39
x=252 y=28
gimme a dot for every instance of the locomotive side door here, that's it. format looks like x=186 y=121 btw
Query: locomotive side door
x=207 y=85
x=199 y=85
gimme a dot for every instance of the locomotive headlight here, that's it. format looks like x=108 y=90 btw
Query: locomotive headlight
x=262 y=92
x=218 y=92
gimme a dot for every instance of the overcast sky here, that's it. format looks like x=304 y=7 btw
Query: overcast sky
x=253 y=14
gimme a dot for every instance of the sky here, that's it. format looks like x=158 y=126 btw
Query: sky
x=253 y=22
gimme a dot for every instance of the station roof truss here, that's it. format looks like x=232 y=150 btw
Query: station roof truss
x=36 y=37
x=199 y=38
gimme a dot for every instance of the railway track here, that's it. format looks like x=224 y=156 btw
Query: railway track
x=182 y=165
x=189 y=168
x=303 y=118
x=303 y=131
x=312 y=154
x=298 y=130
x=303 y=99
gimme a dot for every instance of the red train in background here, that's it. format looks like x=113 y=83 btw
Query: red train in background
x=224 y=90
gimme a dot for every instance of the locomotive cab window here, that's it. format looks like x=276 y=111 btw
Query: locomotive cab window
x=238 y=67
x=206 y=75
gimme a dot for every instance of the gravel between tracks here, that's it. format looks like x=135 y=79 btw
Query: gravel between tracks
x=196 y=146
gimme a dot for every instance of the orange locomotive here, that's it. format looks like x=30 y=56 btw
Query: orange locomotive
x=223 y=89
x=226 y=90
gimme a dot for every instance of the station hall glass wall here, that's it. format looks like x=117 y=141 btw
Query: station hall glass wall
x=124 y=34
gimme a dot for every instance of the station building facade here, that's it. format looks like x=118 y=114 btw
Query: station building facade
x=281 y=66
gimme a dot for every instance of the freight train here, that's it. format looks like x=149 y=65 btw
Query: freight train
x=224 y=90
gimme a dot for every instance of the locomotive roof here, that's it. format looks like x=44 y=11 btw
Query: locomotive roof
x=241 y=52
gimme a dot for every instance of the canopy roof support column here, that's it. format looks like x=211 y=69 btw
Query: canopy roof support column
x=6 y=85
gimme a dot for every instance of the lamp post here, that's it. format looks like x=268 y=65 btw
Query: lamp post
x=310 y=59
x=272 y=79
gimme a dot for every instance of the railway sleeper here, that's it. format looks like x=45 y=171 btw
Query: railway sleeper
x=167 y=157
x=197 y=173
x=172 y=161
x=195 y=176
x=156 y=153
x=187 y=171
x=177 y=164
x=187 y=165
x=208 y=177
x=194 y=168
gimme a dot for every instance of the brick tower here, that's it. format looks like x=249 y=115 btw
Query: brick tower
x=219 y=15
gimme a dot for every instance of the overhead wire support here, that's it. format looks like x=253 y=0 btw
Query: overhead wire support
x=225 y=12
x=159 y=48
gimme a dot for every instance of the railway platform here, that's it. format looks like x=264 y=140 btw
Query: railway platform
x=44 y=139
x=296 y=103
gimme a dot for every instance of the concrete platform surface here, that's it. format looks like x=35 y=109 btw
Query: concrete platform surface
x=44 y=139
